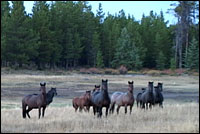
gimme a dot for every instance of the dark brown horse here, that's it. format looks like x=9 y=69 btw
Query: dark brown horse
x=82 y=102
x=158 y=97
x=123 y=99
x=139 y=99
x=101 y=99
x=147 y=97
x=35 y=101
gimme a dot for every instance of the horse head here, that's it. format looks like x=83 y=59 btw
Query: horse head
x=160 y=86
x=156 y=89
x=88 y=94
x=96 y=88
x=150 y=86
x=130 y=85
x=104 y=84
x=42 y=87
x=54 y=90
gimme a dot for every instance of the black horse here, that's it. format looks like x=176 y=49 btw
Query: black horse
x=50 y=95
x=158 y=97
x=101 y=99
x=148 y=97
x=139 y=99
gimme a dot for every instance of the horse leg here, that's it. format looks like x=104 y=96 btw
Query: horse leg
x=43 y=111
x=112 y=107
x=100 y=112
x=80 y=109
x=94 y=110
x=27 y=112
x=107 y=108
x=76 y=109
x=85 y=109
x=141 y=104
x=150 y=105
x=131 y=108
x=39 y=112
x=88 y=108
x=118 y=109
x=147 y=106
x=160 y=104
x=125 y=109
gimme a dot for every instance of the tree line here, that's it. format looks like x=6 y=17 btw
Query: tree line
x=65 y=34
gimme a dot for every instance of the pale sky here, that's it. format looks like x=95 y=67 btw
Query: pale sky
x=135 y=8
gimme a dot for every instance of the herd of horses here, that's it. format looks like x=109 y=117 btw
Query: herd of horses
x=98 y=98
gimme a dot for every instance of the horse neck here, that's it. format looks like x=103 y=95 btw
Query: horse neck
x=50 y=94
x=104 y=92
x=130 y=90
x=43 y=93
x=150 y=89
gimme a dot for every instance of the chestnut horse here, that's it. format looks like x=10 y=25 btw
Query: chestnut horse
x=82 y=101
x=35 y=101
x=123 y=99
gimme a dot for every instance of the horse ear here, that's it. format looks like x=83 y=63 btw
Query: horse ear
x=132 y=81
x=106 y=80
x=102 y=80
x=143 y=89
x=40 y=84
x=95 y=86
x=44 y=83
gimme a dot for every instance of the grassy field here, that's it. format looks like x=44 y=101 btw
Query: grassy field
x=180 y=112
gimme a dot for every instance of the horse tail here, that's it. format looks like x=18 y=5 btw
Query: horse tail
x=23 y=109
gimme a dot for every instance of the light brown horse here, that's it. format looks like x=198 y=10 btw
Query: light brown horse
x=35 y=101
x=82 y=102
x=123 y=99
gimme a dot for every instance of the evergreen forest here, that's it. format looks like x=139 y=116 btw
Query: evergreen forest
x=67 y=34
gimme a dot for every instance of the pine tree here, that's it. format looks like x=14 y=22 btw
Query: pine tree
x=192 y=59
x=5 y=16
x=95 y=47
x=20 y=39
x=127 y=53
x=172 y=64
x=160 y=61
x=99 y=60
x=41 y=24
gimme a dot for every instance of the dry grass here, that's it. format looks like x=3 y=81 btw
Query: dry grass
x=60 y=115
x=173 y=118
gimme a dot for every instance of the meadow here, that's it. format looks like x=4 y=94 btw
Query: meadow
x=180 y=112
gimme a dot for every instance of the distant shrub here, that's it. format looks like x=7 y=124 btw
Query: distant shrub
x=168 y=72
x=84 y=71
x=180 y=71
x=122 y=70
x=111 y=71
x=95 y=71
x=153 y=72
x=133 y=72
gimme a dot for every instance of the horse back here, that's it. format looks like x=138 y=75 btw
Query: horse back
x=147 y=97
x=33 y=101
x=115 y=95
